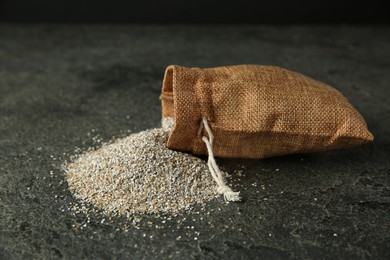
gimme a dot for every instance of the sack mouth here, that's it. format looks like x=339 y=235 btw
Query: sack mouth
x=167 y=93
x=183 y=110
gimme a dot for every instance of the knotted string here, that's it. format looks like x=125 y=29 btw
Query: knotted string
x=228 y=193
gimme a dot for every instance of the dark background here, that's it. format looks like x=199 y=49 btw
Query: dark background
x=196 y=11
x=61 y=81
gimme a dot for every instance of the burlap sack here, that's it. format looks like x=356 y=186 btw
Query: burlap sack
x=257 y=111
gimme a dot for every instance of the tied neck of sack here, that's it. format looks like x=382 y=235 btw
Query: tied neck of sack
x=216 y=173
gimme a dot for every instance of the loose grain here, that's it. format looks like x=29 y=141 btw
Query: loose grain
x=139 y=175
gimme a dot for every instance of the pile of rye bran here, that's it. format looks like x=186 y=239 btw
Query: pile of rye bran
x=139 y=175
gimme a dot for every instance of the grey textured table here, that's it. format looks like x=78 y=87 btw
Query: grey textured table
x=60 y=86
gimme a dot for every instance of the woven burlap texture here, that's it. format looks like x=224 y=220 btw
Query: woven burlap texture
x=257 y=111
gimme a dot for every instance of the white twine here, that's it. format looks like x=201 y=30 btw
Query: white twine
x=228 y=193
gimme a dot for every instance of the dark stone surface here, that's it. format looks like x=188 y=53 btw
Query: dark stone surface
x=57 y=83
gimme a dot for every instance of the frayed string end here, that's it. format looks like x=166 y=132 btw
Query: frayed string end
x=228 y=194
